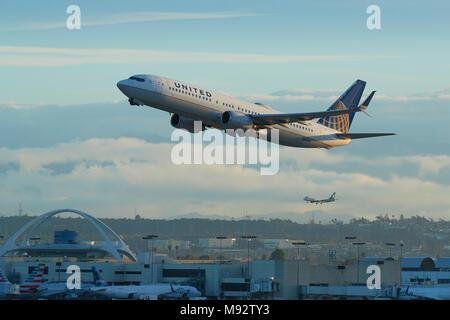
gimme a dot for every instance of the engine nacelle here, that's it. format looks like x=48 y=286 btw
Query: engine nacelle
x=235 y=120
x=135 y=102
x=181 y=122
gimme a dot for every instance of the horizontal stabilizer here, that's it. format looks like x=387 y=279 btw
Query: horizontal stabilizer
x=362 y=135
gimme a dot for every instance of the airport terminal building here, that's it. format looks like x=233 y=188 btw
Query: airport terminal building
x=223 y=279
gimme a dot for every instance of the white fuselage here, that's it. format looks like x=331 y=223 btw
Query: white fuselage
x=137 y=292
x=207 y=106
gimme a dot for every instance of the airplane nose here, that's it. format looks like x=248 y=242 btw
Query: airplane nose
x=121 y=85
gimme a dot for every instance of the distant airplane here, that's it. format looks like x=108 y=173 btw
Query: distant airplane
x=416 y=293
x=6 y=287
x=147 y=292
x=320 y=201
x=31 y=286
x=188 y=103
x=56 y=290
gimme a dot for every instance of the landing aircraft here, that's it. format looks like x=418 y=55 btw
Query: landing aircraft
x=188 y=103
x=320 y=201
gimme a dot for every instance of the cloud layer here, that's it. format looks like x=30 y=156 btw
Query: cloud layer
x=38 y=56
x=108 y=159
x=113 y=176
x=133 y=17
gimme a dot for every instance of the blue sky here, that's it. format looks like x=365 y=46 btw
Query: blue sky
x=408 y=55
x=69 y=139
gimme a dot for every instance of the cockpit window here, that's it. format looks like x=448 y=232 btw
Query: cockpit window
x=137 y=79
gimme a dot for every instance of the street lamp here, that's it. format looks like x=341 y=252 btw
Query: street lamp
x=400 y=260
x=151 y=237
x=249 y=238
x=220 y=238
x=58 y=265
x=298 y=244
x=390 y=245
x=358 y=244
x=350 y=246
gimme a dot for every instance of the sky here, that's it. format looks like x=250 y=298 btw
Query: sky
x=68 y=138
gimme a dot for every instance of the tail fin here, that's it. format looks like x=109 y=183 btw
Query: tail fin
x=98 y=280
x=34 y=280
x=3 y=278
x=333 y=195
x=349 y=99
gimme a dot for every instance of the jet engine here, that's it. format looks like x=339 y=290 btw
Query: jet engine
x=235 y=120
x=135 y=102
x=181 y=122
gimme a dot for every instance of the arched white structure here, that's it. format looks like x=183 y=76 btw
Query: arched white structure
x=115 y=249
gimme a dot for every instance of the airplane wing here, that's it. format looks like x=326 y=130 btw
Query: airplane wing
x=282 y=118
x=362 y=135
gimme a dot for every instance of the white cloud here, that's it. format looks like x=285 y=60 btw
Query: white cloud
x=18 y=105
x=430 y=164
x=37 y=56
x=330 y=95
x=133 y=17
x=142 y=176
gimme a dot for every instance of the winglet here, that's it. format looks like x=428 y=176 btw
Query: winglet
x=366 y=102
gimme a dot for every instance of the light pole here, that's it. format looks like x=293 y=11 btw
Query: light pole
x=58 y=265
x=298 y=244
x=358 y=244
x=400 y=261
x=390 y=245
x=220 y=238
x=249 y=238
x=151 y=237
x=350 y=246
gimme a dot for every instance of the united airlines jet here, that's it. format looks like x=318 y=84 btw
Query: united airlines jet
x=188 y=103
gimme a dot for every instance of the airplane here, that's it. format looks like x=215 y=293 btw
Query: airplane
x=188 y=103
x=33 y=282
x=418 y=293
x=146 y=292
x=30 y=288
x=56 y=290
x=6 y=287
x=320 y=201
